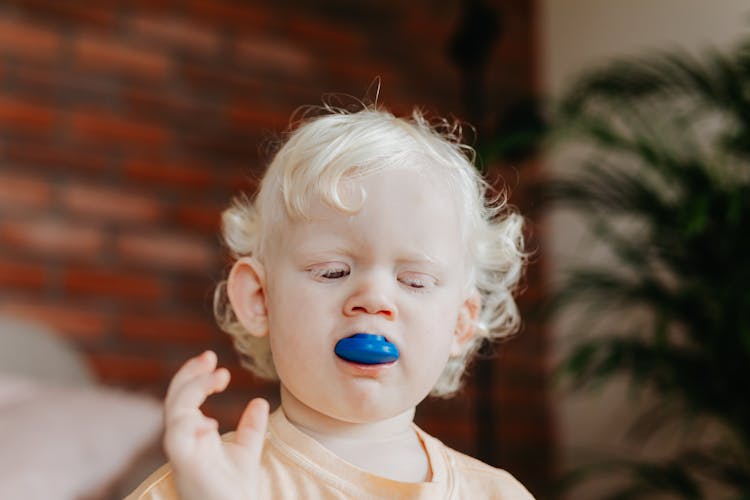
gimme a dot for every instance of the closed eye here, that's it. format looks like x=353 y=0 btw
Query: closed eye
x=335 y=274
x=329 y=271
x=417 y=281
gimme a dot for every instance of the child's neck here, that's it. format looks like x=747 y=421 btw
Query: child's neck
x=388 y=448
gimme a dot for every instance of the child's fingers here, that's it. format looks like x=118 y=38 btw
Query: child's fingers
x=191 y=425
x=204 y=363
x=182 y=432
x=251 y=430
x=192 y=394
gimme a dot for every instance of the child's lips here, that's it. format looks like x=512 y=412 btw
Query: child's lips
x=362 y=370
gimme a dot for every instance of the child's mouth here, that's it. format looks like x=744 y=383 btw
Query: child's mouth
x=366 y=349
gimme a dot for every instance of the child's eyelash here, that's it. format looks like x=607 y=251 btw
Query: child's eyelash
x=417 y=285
x=325 y=273
x=335 y=273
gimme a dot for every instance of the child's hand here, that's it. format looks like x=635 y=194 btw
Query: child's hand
x=204 y=467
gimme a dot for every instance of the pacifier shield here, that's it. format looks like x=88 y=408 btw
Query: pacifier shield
x=366 y=349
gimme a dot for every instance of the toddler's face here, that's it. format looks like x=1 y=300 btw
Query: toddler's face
x=396 y=268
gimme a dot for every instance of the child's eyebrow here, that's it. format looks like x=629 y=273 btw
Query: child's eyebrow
x=421 y=258
x=328 y=248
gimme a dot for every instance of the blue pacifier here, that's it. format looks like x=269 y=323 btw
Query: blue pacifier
x=366 y=349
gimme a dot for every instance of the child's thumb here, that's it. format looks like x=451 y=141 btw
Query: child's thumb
x=251 y=430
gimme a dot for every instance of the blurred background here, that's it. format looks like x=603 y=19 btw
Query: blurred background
x=126 y=128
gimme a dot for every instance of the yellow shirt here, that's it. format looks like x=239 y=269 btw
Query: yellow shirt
x=296 y=466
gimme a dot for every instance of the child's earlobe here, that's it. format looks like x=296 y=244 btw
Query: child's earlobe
x=466 y=326
x=246 y=294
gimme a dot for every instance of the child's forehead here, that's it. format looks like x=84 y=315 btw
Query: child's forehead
x=397 y=204
x=351 y=190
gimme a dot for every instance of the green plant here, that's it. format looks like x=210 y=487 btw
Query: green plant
x=666 y=187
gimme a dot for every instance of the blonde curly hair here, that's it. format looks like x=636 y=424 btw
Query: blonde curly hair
x=339 y=144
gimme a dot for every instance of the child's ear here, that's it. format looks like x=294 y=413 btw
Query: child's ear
x=245 y=288
x=466 y=326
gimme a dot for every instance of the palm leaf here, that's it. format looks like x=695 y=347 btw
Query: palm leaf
x=669 y=151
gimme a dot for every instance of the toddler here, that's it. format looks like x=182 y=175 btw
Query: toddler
x=369 y=269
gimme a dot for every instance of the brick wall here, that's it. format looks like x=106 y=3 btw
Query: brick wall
x=125 y=128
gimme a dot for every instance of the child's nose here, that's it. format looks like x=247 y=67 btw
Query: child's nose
x=370 y=298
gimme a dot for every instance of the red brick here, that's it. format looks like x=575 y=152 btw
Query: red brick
x=16 y=114
x=241 y=180
x=111 y=56
x=70 y=320
x=167 y=251
x=54 y=157
x=104 y=203
x=325 y=33
x=223 y=145
x=521 y=376
x=278 y=55
x=176 y=32
x=525 y=432
x=463 y=430
x=533 y=290
x=204 y=217
x=195 y=291
x=52 y=237
x=106 y=282
x=21 y=38
x=256 y=116
x=46 y=80
x=425 y=27
x=154 y=5
x=362 y=74
x=227 y=407
x=127 y=369
x=171 y=174
x=224 y=80
x=116 y=130
x=160 y=105
x=460 y=405
x=518 y=359
x=248 y=17
x=15 y=274
x=67 y=13
x=22 y=191
x=520 y=397
x=242 y=378
x=167 y=327
x=227 y=413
